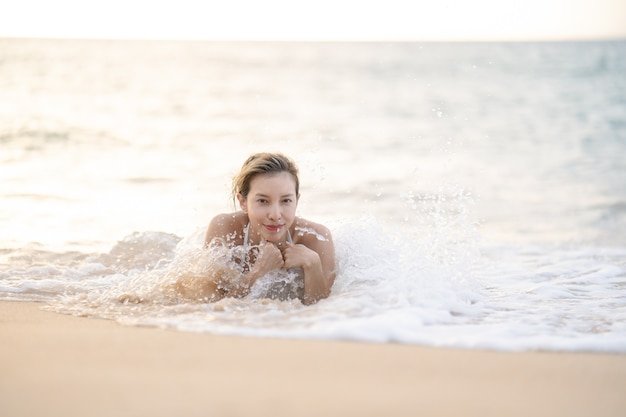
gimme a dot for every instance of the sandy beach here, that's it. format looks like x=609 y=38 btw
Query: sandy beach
x=59 y=365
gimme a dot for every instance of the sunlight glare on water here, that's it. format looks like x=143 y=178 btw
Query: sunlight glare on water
x=475 y=192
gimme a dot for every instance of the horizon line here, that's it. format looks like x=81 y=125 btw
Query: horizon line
x=604 y=38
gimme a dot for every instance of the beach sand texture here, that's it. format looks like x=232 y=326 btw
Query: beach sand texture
x=60 y=365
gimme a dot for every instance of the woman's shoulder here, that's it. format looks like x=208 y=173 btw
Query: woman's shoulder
x=228 y=220
x=226 y=226
x=307 y=230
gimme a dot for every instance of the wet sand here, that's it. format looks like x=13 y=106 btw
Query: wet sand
x=59 y=365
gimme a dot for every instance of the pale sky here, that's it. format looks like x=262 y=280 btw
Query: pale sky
x=383 y=20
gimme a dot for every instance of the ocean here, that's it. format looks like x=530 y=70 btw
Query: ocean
x=476 y=192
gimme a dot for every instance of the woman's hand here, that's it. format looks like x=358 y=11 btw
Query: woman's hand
x=299 y=256
x=269 y=259
x=317 y=280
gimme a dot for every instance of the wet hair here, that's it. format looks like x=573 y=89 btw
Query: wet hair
x=263 y=163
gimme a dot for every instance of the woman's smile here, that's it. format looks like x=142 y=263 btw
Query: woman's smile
x=275 y=228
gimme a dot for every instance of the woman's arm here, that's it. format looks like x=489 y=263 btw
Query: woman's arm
x=316 y=256
x=229 y=228
x=269 y=259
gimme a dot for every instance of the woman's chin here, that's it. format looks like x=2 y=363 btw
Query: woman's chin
x=274 y=237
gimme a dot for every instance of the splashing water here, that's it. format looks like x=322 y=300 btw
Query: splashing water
x=377 y=128
x=429 y=283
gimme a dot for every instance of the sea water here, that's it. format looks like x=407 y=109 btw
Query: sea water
x=476 y=192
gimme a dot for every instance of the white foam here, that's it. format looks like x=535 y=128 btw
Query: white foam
x=388 y=289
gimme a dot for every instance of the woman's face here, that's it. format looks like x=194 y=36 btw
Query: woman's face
x=271 y=205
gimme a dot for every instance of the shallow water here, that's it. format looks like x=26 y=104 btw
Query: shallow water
x=476 y=192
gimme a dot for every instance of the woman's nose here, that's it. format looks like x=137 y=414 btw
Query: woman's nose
x=274 y=212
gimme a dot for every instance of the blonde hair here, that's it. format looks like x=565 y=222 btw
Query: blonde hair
x=263 y=163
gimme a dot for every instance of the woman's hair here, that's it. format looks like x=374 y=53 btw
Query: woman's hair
x=263 y=163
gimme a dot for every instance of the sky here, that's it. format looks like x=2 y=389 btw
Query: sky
x=321 y=20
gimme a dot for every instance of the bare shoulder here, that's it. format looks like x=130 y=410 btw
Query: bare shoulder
x=308 y=232
x=318 y=238
x=227 y=226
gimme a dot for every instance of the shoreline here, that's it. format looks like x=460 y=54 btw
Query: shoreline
x=54 y=364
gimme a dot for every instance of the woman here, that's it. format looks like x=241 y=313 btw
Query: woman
x=271 y=236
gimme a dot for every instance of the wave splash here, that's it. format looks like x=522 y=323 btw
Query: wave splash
x=421 y=285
